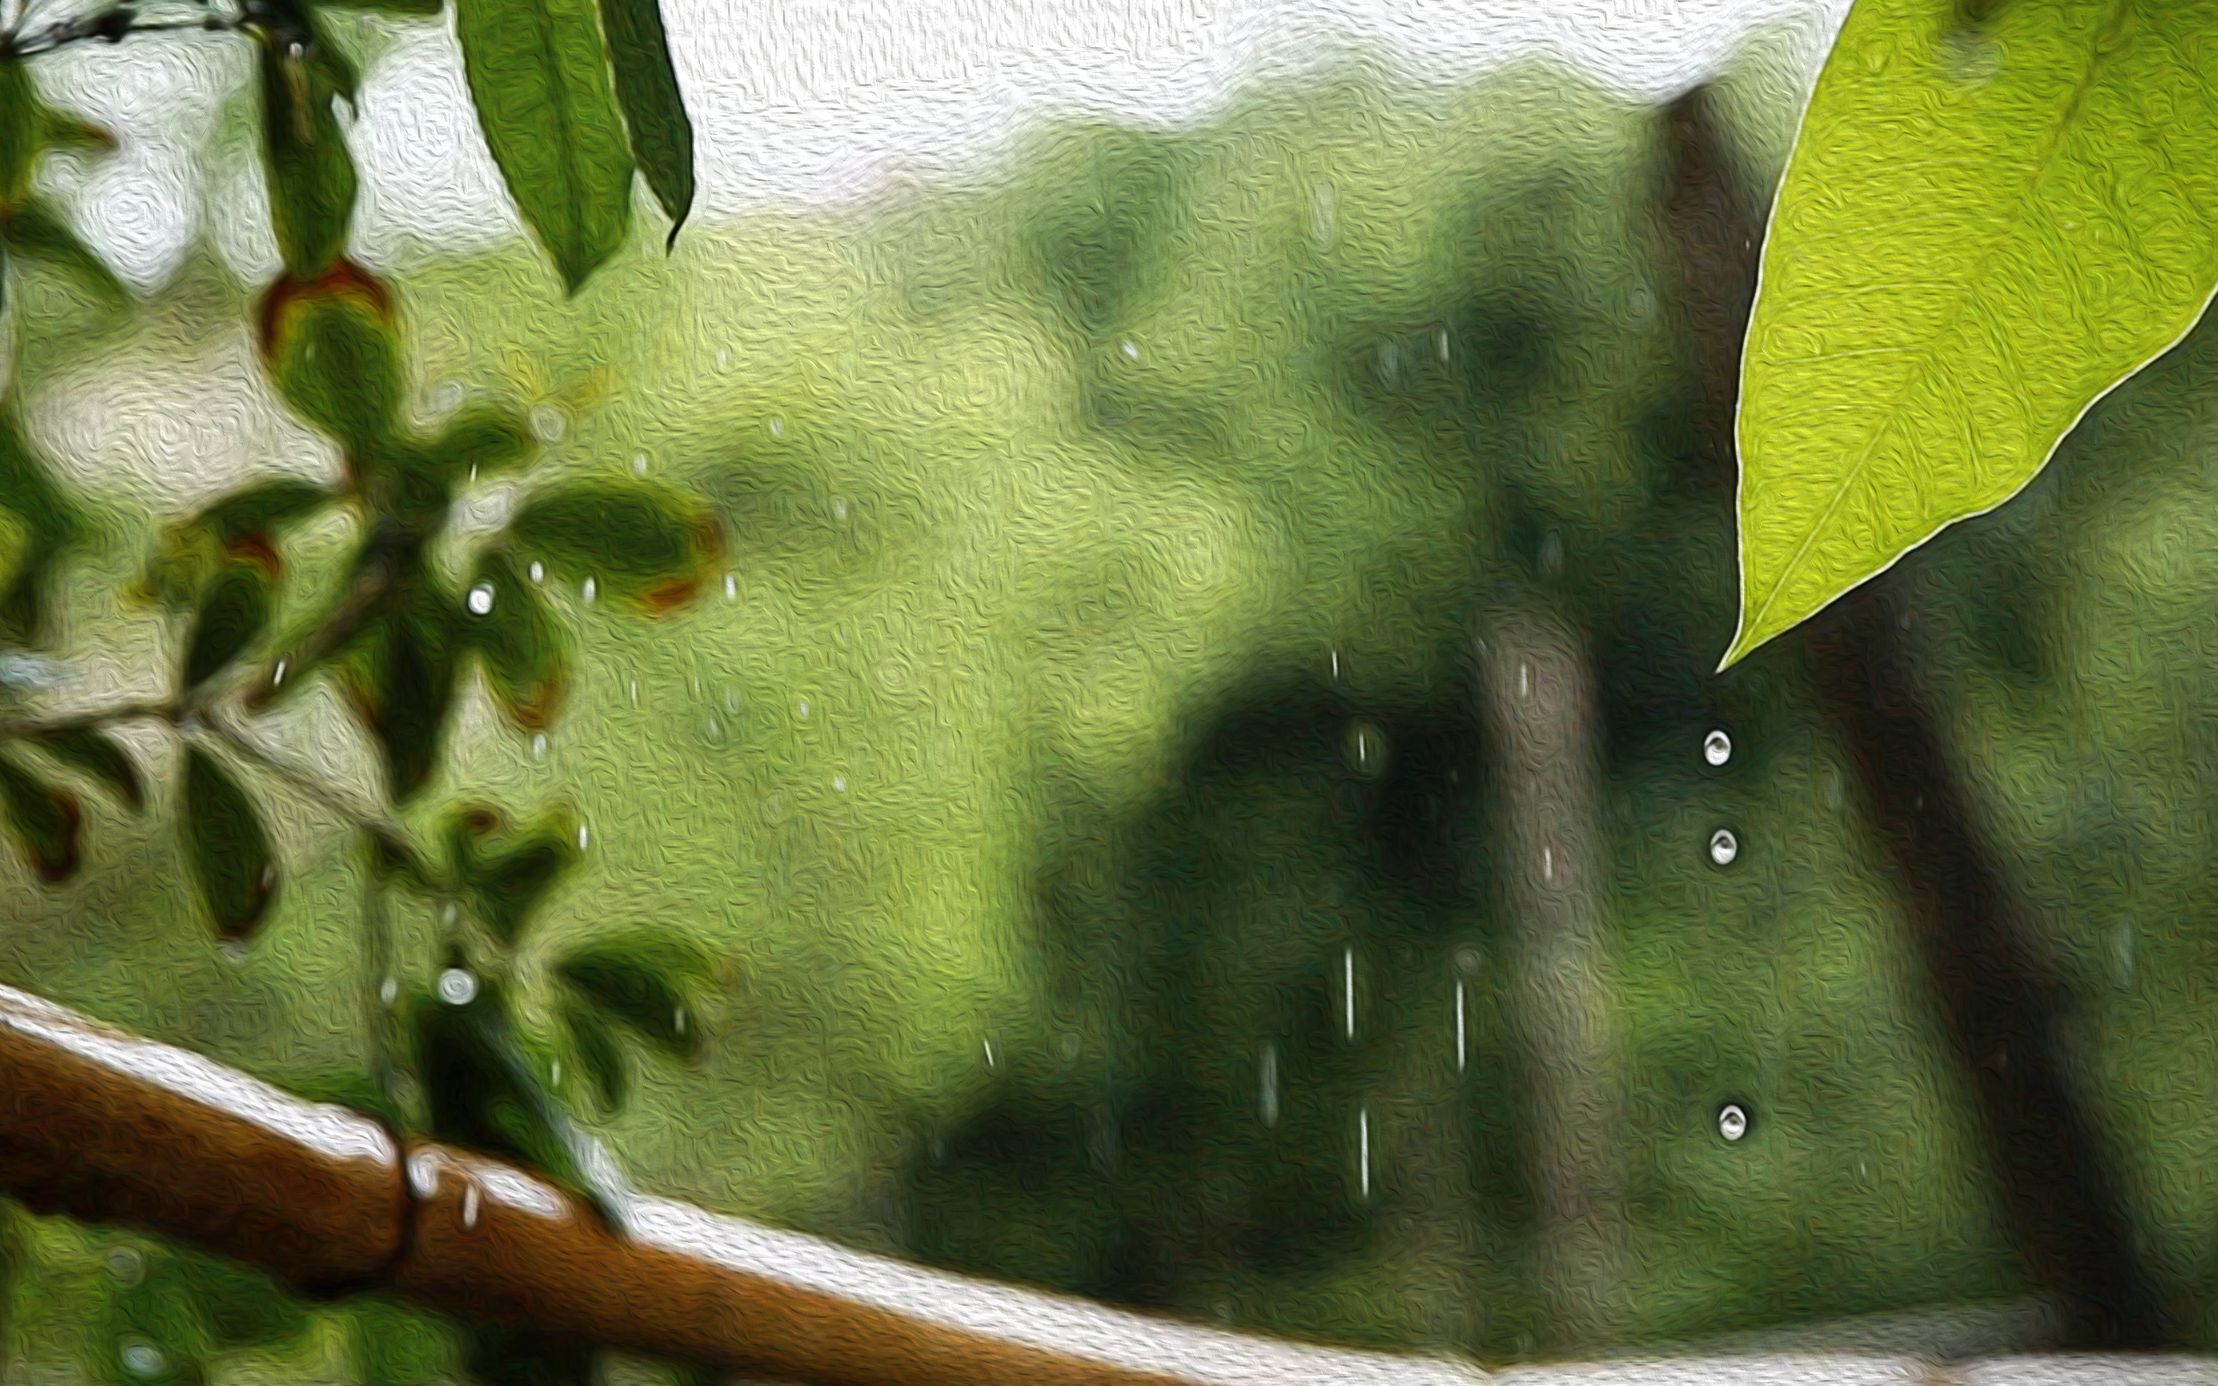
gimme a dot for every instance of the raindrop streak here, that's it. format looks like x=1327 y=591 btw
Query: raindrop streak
x=1717 y=748
x=989 y=1053
x=457 y=987
x=1724 y=847
x=1524 y=680
x=469 y=1207
x=803 y=708
x=277 y=680
x=1336 y=665
x=388 y=991
x=635 y=692
x=1363 y=1149
x=1462 y=1048
x=1347 y=989
x=481 y=599
x=583 y=837
x=839 y=510
x=539 y=746
x=1548 y=864
x=839 y=784
x=1732 y=1121
x=538 y=571
x=1131 y=351
x=777 y=428
x=731 y=586
x=1270 y=1085
x=639 y=464
x=591 y=590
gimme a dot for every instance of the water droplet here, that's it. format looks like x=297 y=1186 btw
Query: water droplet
x=457 y=986
x=423 y=1176
x=1724 y=847
x=1366 y=748
x=723 y=358
x=450 y=913
x=731 y=701
x=774 y=808
x=234 y=951
x=1524 y=679
x=1131 y=351
x=639 y=464
x=1462 y=1032
x=989 y=1053
x=548 y=423
x=777 y=428
x=1336 y=666
x=1347 y=989
x=1732 y=1121
x=1363 y=1149
x=388 y=991
x=1270 y=1085
x=538 y=571
x=469 y=1207
x=633 y=692
x=1440 y=341
x=590 y=590
x=481 y=599
x=126 y=1264
x=1548 y=864
x=143 y=1359
x=803 y=708
x=839 y=511
x=584 y=837
x=277 y=679
x=539 y=746
x=1717 y=747
x=731 y=586
x=839 y=784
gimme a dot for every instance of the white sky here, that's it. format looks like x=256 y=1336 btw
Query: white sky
x=822 y=100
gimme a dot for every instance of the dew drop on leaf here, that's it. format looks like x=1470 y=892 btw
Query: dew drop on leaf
x=590 y=590
x=538 y=571
x=1724 y=847
x=481 y=599
x=639 y=464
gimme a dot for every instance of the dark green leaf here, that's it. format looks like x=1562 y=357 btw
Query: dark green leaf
x=483 y=440
x=242 y=1308
x=639 y=980
x=331 y=61
x=305 y=161
x=634 y=539
x=262 y=510
x=309 y=646
x=337 y=362
x=501 y=1356
x=411 y=680
x=52 y=525
x=233 y=610
x=227 y=846
x=35 y=232
x=394 y=1344
x=97 y=754
x=509 y=874
x=654 y=111
x=539 y=76
x=151 y=1328
x=47 y=822
x=19 y=132
x=524 y=648
x=597 y=1053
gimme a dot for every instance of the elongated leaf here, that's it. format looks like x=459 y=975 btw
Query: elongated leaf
x=510 y=873
x=597 y=1053
x=640 y=981
x=502 y=1356
x=19 y=132
x=305 y=161
x=227 y=847
x=233 y=610
x=411 y=682
x=525 y=652
x=36 y=232
x=1982 y=230
x=262 y=511
x=654 y=111
x=330 y=345
x=97 y=754
x=644 y=542
x=483 y=440
x=48 y=823
x=53 y=524
x=62 y=131
x=539 y=75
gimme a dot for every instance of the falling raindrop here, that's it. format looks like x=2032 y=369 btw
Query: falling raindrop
x=554 y=1072
x=1724 y=847
x=803 y=708
x=1270 y=1085
x=731 y=701
x=481 y=599
x=633 y=692
x=1366 y=747
x=538 y=571
x=1717 y=747
x=839 y=511
x=548 y=423
x=277 y=679
x=1347 y=990
x=1336 y=666
x=1363 y=1149
x=469 y=1207
x=450 y=913
x=677 y=1020
x=777 y=428
x=388 y=991
x=989 y=1053
x=1131 y=350
x=590 y=590
x=1440 y=342
x=1462 y=1031
x=1732 y=1121
x=723 y=358
x=731 y=586
x=1524 y=679
x=457 y=986
x=1548 y=864
x=143 y=1359
x=639 y=464
x=584 y=837
x=539 y=746
x=839 y=784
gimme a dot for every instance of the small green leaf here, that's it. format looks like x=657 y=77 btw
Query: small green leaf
x=19 y=132
x=97 y=754
x=35 y=232
x=264 y=510
x=509 y=874
x=638 y=980
x=524 y=648
x=337 y=362
x=411 y=681
x=48 y=823
x=62 y=131
x=654 y=110
x=233 y=610
x=597 y=1053
x=227 y=846
x=539 y=76
x=242 y=1307
x=1979 y=234
x=502 y=1356
x=484 y=440
x=305 y=161
x=645 y=542
x=53 y=525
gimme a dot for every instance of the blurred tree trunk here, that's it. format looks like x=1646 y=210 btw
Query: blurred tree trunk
x=1999 y=998
x=1540 y=704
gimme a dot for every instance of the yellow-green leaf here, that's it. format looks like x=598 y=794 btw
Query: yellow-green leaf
x=1984 y=227
x=227 y=847
x=539 y=75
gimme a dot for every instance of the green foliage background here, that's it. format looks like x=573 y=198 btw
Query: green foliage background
x=1082 y=516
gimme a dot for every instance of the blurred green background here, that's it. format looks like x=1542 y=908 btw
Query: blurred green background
x=1096 y=676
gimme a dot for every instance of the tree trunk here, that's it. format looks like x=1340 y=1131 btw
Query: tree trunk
x=1540 y=703
x=1998 y=997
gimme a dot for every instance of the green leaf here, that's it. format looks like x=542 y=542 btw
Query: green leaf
x=53 y=524
x=227 y=846
x=597 y=1053
x=62 y=131
x=1980 y=233
x=634 y=539
x=407 y=694
x=482 y=440
x=654 y=111
x=15 y=547
x=525 y=652
x=35 y=232
x=408 y=7
x=261 y=511
x=509 y=874
x=96 y=753
x=502 y=1356
x=305 y=162
x=540 y=78
x=47 y=822
x=19 y=132
x=242 y=1307
x=233 y=610
x=337 y=362
x=638 y=980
